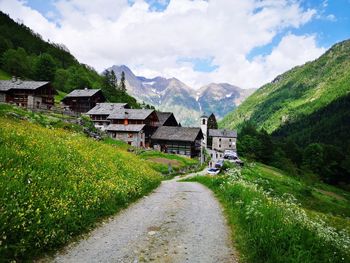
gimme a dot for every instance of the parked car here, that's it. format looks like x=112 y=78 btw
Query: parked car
x=219 y=164
x=213 y=171
x=230 y=152
x=230 y=158
x=239 y=162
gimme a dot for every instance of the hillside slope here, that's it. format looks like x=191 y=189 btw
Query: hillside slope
x=328 y=125
x=297 y=93
x=55 y=184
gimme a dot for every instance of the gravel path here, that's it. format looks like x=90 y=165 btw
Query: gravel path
x=178 y=222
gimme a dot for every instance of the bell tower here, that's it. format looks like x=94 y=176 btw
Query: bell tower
x=204 y=127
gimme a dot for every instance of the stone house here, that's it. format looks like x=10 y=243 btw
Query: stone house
x=133 y=134
x=30 y=94
x=101 y=112
x=223 y=139
x=134 y=119
x=216 y=141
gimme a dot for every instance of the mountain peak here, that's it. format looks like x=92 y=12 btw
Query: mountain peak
x=171 y=94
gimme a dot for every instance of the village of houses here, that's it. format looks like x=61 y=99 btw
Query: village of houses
x=142 y=128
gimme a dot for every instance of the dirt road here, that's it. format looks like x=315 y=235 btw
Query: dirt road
x=178 y=222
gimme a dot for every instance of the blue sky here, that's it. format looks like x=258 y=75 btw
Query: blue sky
x=332 y=25
x=196 y=41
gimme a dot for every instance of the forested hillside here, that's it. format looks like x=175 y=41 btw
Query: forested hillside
x=300 y=121
x=24 y=54
x=297 y=93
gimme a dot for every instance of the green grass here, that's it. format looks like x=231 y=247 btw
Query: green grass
x=56 y=184
x=157 y=160
x=4 y=75
x=160 y=162
x=117 y=143
x=59 y=97
x=277 y=218
x=48 y=120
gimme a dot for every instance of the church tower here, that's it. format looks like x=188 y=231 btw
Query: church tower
x=204 y=127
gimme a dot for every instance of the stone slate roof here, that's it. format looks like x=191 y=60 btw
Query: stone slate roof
x=163 y=117
x=222 y=133
x=125 y=128
x=170 y=133
x=82 y=93
x=6 y=85
x=131 y=114
x=106 y=108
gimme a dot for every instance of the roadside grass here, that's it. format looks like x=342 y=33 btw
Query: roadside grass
x=55 y=184
x=160 y=162
x=4 y=75
x=277 y=218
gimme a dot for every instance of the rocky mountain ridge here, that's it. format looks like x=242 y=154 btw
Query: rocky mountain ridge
x=171 y=94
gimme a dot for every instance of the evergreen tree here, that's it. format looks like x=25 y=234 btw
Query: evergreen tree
x=122 y=82
x=313 y=157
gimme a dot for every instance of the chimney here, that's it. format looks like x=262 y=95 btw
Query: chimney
x=14 y=79
x=126 y=118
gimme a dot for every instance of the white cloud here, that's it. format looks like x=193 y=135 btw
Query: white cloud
x=107 y=32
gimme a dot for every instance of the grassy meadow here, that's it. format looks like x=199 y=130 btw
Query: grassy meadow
x=55 y=184
x=160 y=162
x=48 y=120
x=278 y=218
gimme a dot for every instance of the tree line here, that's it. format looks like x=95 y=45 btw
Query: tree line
x=330 y=163
x=26 y=55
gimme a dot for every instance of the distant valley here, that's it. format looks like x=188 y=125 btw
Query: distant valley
x=170 y=94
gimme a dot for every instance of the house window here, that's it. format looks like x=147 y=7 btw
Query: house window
x=130 y=135
x=219 y=145
x=203 y=121
x=229 y=140
x=230 y=145
x=220 y=140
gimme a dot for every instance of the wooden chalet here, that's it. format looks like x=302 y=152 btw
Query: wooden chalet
x=30 y=94
x=132 y=117
x=166 y=119
x=101 y=112
x=83 y=100
x=178 y=140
